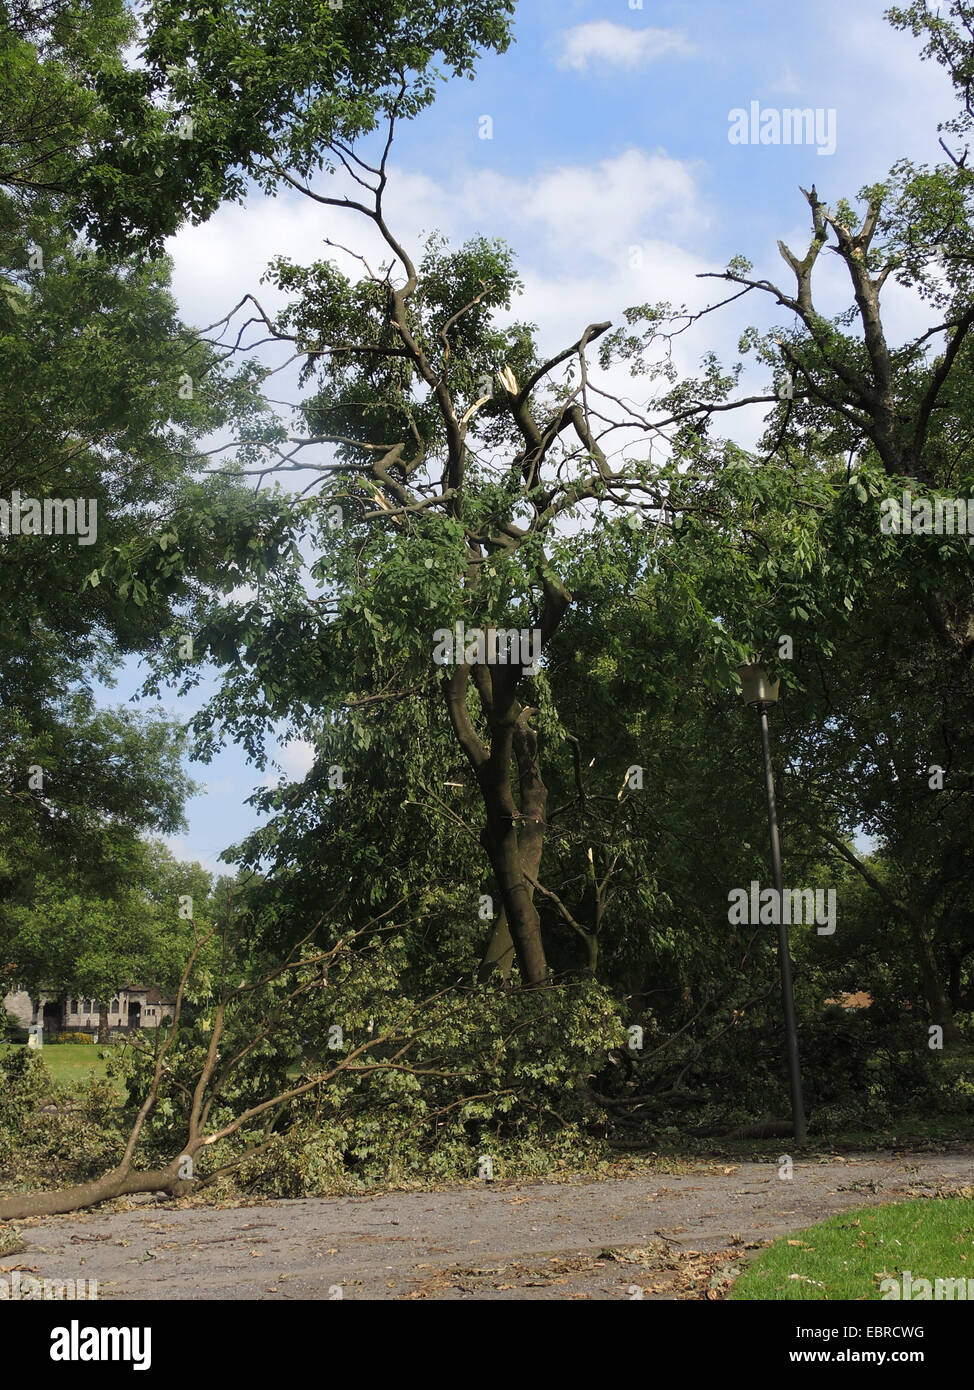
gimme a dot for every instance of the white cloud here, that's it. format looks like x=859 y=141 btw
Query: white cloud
x=296 y=758
x=572 y=223
x=590 y=239
x=187 y=850
x=588 y=209
x=571 y=215
x=217 y=262
x=618 y=46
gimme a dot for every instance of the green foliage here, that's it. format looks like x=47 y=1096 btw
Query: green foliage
x=24 y=1086
x=468 y=488
x=94 y=408
x=49 y=1136
x=63 y=933
x=268 y=88
x=339 y=1070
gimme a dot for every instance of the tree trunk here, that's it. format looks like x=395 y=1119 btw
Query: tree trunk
x=953 y=984
x=513 y=836
x=530 y=844
x=512 y=737
x=518 y=898
x=933 y=990
x=103 y=1021
x=499 y=954
x=120 y=1182
x=591 y=953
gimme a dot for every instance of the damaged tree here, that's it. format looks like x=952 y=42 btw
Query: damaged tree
x=459 y=458
x=196 y=1065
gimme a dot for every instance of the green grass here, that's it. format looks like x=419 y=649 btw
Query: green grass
x=849 y=1255
x=68 y=1062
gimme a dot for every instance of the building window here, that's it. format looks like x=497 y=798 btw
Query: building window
x=114 y=1006
x=88 y=1007
x=72 y=1006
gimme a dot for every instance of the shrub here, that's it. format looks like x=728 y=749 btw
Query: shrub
x=24 y=1085
x=49 y=1135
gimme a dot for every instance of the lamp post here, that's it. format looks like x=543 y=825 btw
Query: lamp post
x=761 y=693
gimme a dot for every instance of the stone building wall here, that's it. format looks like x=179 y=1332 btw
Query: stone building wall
x=128 y=1009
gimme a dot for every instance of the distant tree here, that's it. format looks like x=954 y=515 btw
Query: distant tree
x=91 y=944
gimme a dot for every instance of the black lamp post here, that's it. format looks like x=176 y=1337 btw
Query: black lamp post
x=761 y=693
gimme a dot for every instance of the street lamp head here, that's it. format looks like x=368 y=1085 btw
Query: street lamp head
x=756 y=688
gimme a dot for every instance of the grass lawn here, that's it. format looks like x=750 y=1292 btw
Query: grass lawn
x=848 y=1255
x=69 y=1062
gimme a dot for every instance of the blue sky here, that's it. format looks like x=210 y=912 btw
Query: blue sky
x=609 y=132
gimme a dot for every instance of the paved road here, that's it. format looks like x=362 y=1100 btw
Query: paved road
x=652 y=1236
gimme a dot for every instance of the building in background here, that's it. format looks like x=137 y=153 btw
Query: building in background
x=134 y=1006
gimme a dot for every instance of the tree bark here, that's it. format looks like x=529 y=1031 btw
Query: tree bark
x=500 y=837
x=933 y=990
x=530 y=833
x=524 y=924
x=499 y=954
x=120 y=1182
x=953 y=984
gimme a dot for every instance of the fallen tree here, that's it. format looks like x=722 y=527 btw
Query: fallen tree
x=323 y=1066
x=240 y=1021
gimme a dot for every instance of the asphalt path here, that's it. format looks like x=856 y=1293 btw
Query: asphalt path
x=653 y=1235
